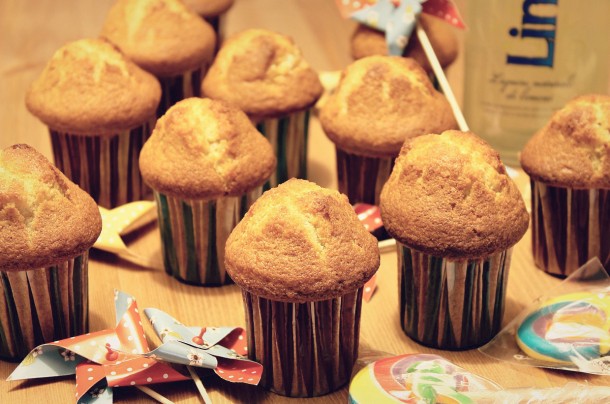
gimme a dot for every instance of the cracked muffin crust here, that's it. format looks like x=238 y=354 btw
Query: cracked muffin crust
x=88 y=87
x=162 y=36
x=264 y=74
x=300 y=242
x=205 y=149
x=44 y=218
x=573 y=149
x=380 y=102
x=449 y=196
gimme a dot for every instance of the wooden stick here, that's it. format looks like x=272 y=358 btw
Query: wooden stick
x=153 y=394
x=199 y=384
x=440 y=75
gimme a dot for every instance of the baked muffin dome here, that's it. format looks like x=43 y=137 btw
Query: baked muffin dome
x=573 y=149
x=209 y=8
x=300 y=242
x=44 y=218
x=205 y=149
x=380 y=102
x=89 y=87
x=449 y=196
x=161 y=36
x=369 y=41
x=263 y=73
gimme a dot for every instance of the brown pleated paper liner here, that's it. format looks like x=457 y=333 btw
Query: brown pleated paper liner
x=42 y=305
x=288 y=137
x=361 y=178
x=569 y=227
x=448 y=304
x=194 y=233
x=106 y=167
x=177 y=88
x=306 y=349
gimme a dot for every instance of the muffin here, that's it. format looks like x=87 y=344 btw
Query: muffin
x=100 y=109
x=568 y=162
x=301 y=257
x=166 y=39
x=47 y=225
x=206 y=164
x=265 y=75
x=213 y=11
x=368 y=41
x=380 y=102
x=455 y=215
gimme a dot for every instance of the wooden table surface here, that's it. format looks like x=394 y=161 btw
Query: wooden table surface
x=30 y=31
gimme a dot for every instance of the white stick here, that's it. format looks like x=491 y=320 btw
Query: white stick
x=154 y=395
x=199 y=384
x=442 y=79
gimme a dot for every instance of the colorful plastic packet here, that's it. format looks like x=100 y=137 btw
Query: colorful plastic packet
x=416 y=378
x=568 y=328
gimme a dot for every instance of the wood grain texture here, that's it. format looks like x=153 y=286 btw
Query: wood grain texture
x=31 y=30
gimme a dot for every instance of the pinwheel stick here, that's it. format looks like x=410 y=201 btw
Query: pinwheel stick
x=199 y=384
x=153 y=394
x=440 y=75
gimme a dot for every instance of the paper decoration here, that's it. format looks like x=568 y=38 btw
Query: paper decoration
x=101 y=360
x=223 y=349
x=397 y=18
x=123 y=220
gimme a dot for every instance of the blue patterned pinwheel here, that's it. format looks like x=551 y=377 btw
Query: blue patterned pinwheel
x=396 y=18
x=222 y=349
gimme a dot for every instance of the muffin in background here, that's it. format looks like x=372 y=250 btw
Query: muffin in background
x=568 y=162
x=213 y=11
x=380 y=102
x=368 y=41
x=301 y=257
x=166 y=39
x=455 y=215
x=207 y=164
x=100 y=109
x=47 y=225
x=264 y=74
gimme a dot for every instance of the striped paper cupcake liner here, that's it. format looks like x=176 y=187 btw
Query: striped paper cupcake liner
x=448 y=304
x=42 y=305
x=361 y=178
x=306 y=349
x=194 y=233
x=106 y=167
x=177 y=88
x=288 y=137
x=569 y=227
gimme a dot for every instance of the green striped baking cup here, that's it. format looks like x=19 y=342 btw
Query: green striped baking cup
x=448 y=304
x=569 y=227
x=361 y=178
x=42 y=305
x=288 y=137
x=307 y=349
x=194 y=233
x=106 y=167
x=177 y=88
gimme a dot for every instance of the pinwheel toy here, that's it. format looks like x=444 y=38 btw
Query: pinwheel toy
x=102 y=360
x=222 y=349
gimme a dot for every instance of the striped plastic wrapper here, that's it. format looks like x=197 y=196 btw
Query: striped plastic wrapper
x=569 y=227
x=177 y=88
x=453 y=305
x=194 y=233
x=42 y=305
x=106 y=167
x=361 y=178
x=288 y=137
x=307 y=349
